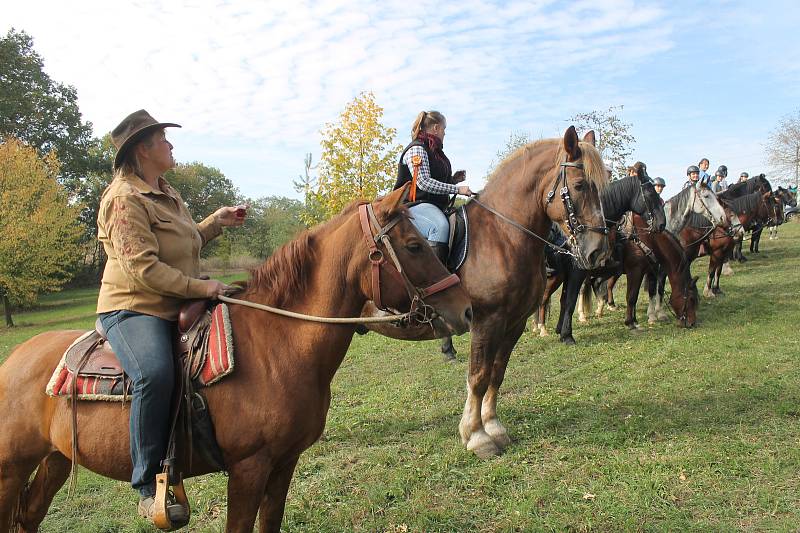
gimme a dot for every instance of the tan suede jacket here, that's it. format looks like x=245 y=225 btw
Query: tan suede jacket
x=153 y=248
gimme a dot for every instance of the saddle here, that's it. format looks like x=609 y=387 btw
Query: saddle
x=458 y=242
x=203 y=350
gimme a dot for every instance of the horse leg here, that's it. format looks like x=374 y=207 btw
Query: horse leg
x=541 y=316
x=612 y=281
x=707 y=292
x=597 y=288
x=632 y=296
x=485 y=340
x=491 y=423
x=247 y=483
x=562 y=303
x=651 y=282
x=53 y=471
x=583 y=293
x=661 y=279
x=448 y=350
x=568 y=305
x=270 y=512
x=14 y=475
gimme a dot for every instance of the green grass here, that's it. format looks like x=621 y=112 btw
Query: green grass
x=667 y=429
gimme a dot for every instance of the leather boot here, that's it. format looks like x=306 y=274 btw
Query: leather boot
x=441 y=250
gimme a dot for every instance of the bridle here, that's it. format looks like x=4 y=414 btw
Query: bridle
x=420 y=312
x=649 y=215
x=574 y=225
x=696 y=196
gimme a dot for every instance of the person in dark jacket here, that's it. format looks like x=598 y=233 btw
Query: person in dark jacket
x=424 y=164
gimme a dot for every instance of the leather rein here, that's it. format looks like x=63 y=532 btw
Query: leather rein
x=419 y=313
x=573 y=223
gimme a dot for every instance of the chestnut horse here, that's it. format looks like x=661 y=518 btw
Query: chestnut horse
x=548 y=180
x=268 y=411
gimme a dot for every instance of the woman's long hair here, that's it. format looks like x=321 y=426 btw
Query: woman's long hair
x=425 y=120
x=130 y=163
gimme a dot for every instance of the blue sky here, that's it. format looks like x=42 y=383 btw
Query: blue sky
x=253 y=83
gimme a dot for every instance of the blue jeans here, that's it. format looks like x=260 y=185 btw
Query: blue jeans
x=430 y=222
x=143 y=344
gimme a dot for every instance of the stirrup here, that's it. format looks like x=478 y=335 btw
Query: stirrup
x=161 y=517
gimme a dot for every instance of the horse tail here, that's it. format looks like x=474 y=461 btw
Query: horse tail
x=586 y=298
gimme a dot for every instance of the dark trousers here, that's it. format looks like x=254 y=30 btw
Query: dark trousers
x=143 y=344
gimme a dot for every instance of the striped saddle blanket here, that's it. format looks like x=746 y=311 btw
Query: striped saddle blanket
x=91 y=370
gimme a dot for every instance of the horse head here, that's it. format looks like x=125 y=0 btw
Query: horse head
x=402 y=271
x=648 y=203
x=685 y=304
x=579 y=176
x=706 y=204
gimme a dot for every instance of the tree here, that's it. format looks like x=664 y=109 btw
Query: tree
x=615 y=141
x=516 y=139
x=358 y=158
x=41 y=112
x=41 y=235
x=783 y=147
x=271 y=221
x=204 y=189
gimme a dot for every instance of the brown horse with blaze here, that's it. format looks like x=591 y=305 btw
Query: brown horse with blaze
x=268 y=411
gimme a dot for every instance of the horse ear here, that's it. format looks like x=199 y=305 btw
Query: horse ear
x=392 y=201
x=571 y=144
x=589 y=138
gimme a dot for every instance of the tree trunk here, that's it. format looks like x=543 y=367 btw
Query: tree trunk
x=7 y=307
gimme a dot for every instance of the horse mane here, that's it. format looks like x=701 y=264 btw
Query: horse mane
x=744 y=204
x=285 y=272
x=617 y=195
x=698 y=221
x=593 y=167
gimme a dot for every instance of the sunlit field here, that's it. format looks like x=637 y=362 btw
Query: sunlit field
x=665 y=429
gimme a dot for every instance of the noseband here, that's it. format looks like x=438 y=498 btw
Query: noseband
x=574 y=225
x=420 y=312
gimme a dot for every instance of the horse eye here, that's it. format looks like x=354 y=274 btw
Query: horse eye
x=580 y=185
x=414 y=247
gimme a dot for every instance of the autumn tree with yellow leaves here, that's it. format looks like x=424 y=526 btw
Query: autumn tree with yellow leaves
x=41 y=233
x=359 y=160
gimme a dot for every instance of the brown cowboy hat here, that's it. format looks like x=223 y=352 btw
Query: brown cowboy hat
x=132 y=129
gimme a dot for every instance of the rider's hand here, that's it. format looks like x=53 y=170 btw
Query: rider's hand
x=214 y=288
x=231 y=216
x=464 y=190
x=459 y=176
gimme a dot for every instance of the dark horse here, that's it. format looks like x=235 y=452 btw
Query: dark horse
x=268 y=411
x=551 y=179
x=755 y=184
x=632 y=193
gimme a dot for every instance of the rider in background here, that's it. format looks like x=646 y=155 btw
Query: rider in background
x=658 y=185
x=424 y=164
x=694 y=177
x=703 y=165
x=743 y=177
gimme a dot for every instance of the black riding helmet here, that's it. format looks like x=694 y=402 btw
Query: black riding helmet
x=722 y=171
x=692 y=168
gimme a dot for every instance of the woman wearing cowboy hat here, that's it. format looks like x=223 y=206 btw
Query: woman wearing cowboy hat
x=153 y=249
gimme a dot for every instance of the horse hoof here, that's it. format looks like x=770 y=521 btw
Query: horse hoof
x=543 y=332
x=663 y=317
x=708 y=294
x=449 y=357
x=569 y=341
x=652 y=321
x=582 y=319
x=498 y=433
x=611 y=307
x=482 y=445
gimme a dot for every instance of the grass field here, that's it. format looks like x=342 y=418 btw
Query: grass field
x=666 y=429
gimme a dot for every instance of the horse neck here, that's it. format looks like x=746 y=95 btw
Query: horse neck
x=617 y=198
x=331 y=290
x=677 y=210
x=519 y=195
x=674 y=258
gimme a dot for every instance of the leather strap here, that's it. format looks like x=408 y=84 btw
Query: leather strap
x=416 y=161
x=439 y=286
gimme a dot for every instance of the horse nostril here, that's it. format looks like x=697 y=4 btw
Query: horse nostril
x=468 y=316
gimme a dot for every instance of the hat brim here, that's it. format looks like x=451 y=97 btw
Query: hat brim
x=136 y=137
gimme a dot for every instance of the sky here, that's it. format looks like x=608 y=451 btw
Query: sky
x=254 y=83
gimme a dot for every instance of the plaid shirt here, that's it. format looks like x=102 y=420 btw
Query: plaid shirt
x=424 y=180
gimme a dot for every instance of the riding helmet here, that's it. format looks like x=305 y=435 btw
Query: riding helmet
x=692 y=168
x=722 y=171
x=659 y=181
